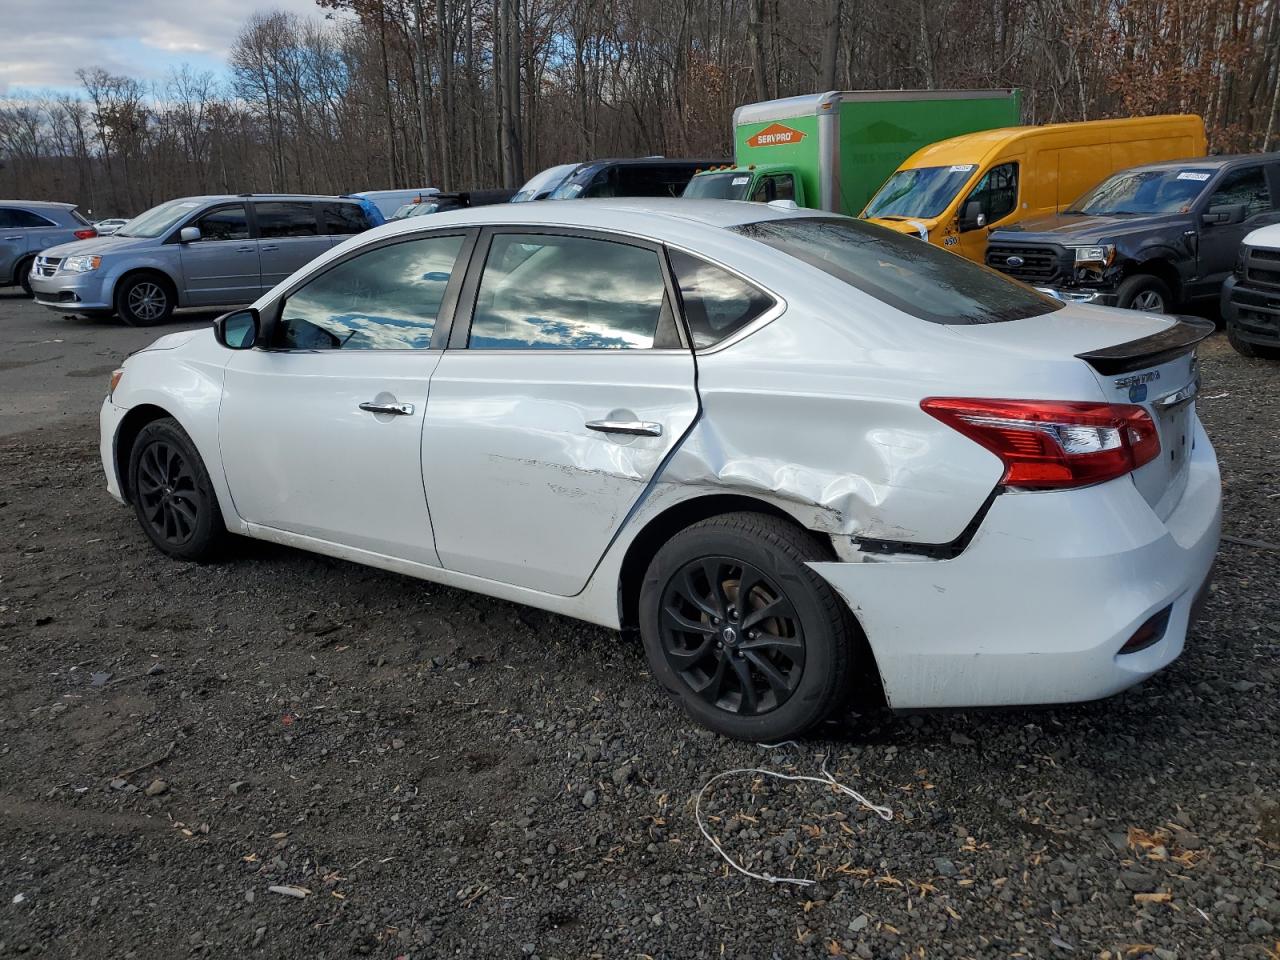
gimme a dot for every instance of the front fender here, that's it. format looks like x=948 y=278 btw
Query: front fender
x=159 y=261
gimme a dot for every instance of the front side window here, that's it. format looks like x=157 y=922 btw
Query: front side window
x=285 y=218
x=777 y=187
x=224 y=223
x=996 y=193
x=717 y=303
x=343 y=218
x=1247 y=186
x=917 y=278
x=385 y=299
x=545 y=292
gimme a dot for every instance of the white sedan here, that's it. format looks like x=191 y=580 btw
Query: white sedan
x=814 y=461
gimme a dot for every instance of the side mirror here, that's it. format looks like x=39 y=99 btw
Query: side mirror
x=237 y=330
x=973 y=218
x=188 y=234
x=1225 y=213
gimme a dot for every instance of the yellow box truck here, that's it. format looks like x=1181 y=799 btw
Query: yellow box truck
x=953 y=192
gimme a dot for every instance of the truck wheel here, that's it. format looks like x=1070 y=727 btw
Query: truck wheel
x=145 y=300
x=1247 y=349
x=1142 y=291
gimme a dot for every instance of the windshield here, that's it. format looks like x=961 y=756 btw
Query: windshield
x=917 y=278
x=402 y=212
x=159 y=219
x=544 y=182
x=718 y=186
x=922 y=192
x=1135 y=192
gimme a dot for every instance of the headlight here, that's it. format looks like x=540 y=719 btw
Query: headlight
x=1100 y=255
x=80 y=264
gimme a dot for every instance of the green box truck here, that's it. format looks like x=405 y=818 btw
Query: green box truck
x=832 y=151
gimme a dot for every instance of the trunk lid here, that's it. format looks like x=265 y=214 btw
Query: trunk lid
x=1135 y=358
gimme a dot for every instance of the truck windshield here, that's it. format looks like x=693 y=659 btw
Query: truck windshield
x=915 y=277
x=1136 y=192
x=718 y=186
x=158 y=219
x=922 y=192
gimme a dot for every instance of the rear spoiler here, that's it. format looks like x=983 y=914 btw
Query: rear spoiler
x=1150 y=351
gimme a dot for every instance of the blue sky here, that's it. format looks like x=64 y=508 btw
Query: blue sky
x=43 y=43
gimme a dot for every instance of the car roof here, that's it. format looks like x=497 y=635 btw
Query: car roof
x=659 y=218
x=1214 y=163
x=38 y=204
x=643 y=162
x=209 y=198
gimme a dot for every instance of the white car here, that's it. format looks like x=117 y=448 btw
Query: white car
x=813 y=460
x=108 y=227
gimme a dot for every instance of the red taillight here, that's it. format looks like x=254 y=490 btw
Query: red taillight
x=1053 y=444
x=88 y=233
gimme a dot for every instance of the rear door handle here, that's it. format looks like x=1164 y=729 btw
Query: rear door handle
x=636 y=428
x=244 y=249
x=395 y=409
x=269 y=247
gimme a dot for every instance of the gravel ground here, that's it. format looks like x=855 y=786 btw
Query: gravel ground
x=427 y=773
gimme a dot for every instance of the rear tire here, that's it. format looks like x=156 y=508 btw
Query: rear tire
x=1146 y=292
x=173 y=497
x=766 y=666
x=145 y=300
x=1250 y=350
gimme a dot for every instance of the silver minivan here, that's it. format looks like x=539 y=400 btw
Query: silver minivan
x=193 y=252
x=29 y=226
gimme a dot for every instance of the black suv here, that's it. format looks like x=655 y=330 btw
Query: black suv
x=1148 y=238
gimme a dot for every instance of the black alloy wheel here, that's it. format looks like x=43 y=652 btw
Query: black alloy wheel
x=732 y=636
x=167 y=493
x=172 y=494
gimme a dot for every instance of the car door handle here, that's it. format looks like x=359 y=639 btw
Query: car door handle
x=636 y=428
x=13 y=238
x=395 y=409
x=267 y=248
x=248 y=249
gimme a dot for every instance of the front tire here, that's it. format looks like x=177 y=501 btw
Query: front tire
x=1145 y=292
x=173 y=497
x=24 y=276
x=145 y=300
x=739 y=630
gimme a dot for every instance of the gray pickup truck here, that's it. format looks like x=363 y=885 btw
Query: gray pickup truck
x=193 y=252
x=29 y=226
x=1152 y=238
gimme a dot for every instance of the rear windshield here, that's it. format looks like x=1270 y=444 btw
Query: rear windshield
x=907 y=274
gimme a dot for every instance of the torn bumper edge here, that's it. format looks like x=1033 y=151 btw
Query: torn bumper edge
x=108 y=425
x=1038 y=606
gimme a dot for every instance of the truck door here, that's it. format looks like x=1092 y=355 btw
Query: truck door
x=997 y=197
x=1243 y=187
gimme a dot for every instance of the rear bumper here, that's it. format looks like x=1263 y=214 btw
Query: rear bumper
x=1036 y=609
x=1253 y=314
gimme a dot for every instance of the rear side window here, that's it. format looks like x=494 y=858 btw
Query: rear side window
x=343 y=218
x=286 y=218
x=909 y=275
x=16 y=219
x=717 y=304
x=550 y=292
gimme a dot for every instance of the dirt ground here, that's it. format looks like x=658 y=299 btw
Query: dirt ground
x=428 y=773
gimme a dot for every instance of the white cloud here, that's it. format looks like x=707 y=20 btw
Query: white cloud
x=43 y=44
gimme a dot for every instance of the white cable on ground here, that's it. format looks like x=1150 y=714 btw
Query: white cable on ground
x=826 y=778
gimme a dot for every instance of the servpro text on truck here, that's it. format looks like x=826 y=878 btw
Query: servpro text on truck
x=830 y=151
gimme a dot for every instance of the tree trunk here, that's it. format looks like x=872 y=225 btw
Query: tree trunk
x=830 y=46
x=755 y=47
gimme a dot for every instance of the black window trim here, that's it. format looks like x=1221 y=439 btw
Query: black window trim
x=270 y=312
x=465 y=314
